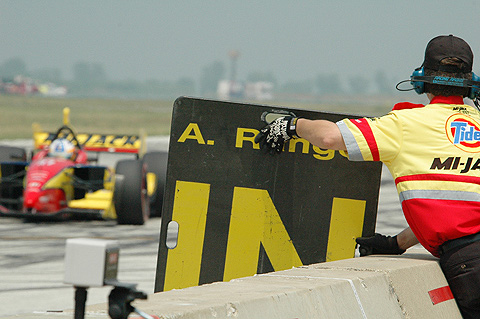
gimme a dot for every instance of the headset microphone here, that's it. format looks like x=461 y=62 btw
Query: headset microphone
x=418 y=80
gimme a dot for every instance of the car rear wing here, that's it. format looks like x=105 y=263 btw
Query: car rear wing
x=111 y=143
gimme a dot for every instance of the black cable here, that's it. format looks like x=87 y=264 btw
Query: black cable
x=477 y=104
x=404 y=90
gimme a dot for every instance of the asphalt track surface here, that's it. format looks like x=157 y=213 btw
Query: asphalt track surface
x=32 y=255
x=32 y=262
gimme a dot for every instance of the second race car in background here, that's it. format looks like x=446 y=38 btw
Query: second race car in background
x=46 y=187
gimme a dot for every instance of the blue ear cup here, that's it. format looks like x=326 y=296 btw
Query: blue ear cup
x=418 y=86
x=475 y=90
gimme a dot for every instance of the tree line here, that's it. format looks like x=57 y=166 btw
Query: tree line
x=91 y=80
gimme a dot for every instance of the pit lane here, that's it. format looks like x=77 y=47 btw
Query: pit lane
x=32 y=254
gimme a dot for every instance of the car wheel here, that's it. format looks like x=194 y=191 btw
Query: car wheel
x=157 y=163
x=130 y=193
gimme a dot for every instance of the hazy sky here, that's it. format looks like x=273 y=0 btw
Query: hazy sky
x=295 y=40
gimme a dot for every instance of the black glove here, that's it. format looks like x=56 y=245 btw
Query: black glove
x=378 y=245
x=273 y=136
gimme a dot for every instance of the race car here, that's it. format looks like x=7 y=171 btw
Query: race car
x=64 y=180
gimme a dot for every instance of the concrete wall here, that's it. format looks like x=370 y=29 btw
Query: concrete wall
x=407 y=286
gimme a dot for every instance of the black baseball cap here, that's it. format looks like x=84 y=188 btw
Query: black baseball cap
x=448 y=46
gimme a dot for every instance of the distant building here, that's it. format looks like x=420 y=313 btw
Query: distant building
x=259 y=91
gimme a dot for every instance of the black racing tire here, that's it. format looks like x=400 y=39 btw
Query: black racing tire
x=12 y=154
x=156 y=163
x=130 y=193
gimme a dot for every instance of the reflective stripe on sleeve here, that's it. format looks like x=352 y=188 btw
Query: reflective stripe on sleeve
x=439 y=194
x=354 y=153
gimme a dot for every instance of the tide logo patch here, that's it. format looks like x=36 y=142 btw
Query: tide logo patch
x=463 y=132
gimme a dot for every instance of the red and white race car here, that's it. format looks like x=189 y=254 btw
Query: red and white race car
x=47 y=187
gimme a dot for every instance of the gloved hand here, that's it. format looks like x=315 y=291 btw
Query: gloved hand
x=378 y=245
x=273 y=136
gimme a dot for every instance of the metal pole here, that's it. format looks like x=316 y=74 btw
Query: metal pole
x=80 y=301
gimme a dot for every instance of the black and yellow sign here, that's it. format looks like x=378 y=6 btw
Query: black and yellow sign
x=239 y=211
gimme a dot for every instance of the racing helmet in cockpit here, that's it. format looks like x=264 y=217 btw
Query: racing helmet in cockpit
x=62 y=148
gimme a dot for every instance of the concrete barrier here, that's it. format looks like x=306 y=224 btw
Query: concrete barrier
x=407 y=286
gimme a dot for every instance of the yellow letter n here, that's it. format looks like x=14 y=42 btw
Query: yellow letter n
x=255 y=220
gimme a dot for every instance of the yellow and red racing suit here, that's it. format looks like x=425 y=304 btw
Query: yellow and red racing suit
x=433 y=154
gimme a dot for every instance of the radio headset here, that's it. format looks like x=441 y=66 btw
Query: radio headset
x=418 y=80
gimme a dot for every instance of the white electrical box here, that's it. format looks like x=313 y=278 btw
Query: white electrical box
x=91 y=262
